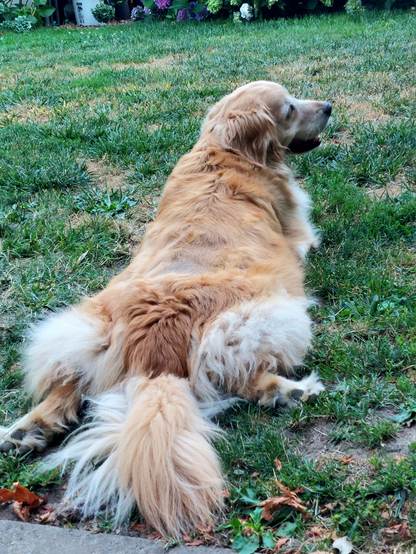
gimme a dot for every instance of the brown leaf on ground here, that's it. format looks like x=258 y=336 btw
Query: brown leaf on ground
x=140 y=527
x=225 y=493
x=319 y=532
x=346 y=459
x=289 y=498
x=155 y=536
x=399 y=459
x=22 y=494
x=24 y=500
x=401 y=529
x=197 y=542
x=6 y=496
x=207 y=532
x=48 y=515
x=22 y=510
x=281 y=542
x=328 y=507
x=255 y=475
x=278 y=464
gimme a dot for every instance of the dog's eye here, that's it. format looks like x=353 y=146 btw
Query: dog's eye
x=291 y=110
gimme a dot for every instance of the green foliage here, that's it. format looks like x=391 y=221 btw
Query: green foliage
x=115 y=203
x=103 y=13
x=249 y=535
x=24 y=15
x=20 y=24
x=15 y=468
x=354 y=6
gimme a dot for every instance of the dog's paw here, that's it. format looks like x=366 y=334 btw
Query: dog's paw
x=21 y=440
x=306 y=390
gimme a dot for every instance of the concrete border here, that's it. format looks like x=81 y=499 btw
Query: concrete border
x=25 y=538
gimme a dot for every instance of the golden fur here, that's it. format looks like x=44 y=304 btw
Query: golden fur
x=212 y=306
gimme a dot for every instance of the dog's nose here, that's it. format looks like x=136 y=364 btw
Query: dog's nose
x=327 y=108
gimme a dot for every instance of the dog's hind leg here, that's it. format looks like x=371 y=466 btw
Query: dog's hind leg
x=34 y=430
x=70 y=354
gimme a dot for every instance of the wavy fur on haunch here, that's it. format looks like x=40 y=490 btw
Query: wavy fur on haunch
x=211 y=310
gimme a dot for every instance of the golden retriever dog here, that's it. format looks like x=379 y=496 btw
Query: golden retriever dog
x=211 y=308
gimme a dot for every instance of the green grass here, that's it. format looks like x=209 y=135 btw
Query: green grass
x=129 y=101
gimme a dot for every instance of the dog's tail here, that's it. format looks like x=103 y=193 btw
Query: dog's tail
x=154 y=450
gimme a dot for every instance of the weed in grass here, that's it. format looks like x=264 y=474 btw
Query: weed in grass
x=115 y=203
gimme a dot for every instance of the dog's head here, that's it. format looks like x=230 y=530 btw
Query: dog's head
x=262 y=120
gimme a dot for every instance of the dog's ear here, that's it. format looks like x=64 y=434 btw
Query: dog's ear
x=251 y=133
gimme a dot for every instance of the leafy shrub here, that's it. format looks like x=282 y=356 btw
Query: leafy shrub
x=249 y=10
x=103 y=13
x=20 y=24
x=182 y=10
x=23 y=16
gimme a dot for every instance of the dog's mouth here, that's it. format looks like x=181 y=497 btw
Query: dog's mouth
x=298 y=146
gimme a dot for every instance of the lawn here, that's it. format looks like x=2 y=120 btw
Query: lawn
x=91 y=124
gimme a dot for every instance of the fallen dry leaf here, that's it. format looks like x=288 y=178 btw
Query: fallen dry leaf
x=278 y=464
x=24 y=500
x=6 y=496
x=401 y=529
x=399 y=459
x=22 y=494
x=140 y=527
x=328 y=507
x=319 y=532
x=197 y=542
x=281 y=542
x=22 y=510
x=343 y=545
x=346 y=459
x=207 y=532
x=47 y=516
x=255 y=475
x=289 y=498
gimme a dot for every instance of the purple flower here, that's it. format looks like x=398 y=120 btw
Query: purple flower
x=202 y=14
x=163 y=4
x=139 y=12
x=199 y=16
x=183 y=15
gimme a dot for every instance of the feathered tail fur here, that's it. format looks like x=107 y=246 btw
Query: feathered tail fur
x=153 y=446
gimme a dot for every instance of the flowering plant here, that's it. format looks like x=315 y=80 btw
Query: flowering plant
x=32 y=12
x=246 y=11
x=179 y=9
x=139 y=13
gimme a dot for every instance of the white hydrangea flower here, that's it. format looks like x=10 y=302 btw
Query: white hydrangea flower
x=246 y=11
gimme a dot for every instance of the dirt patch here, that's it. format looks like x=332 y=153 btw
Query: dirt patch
x=391 y=190
x=22 y=113
x=316 y=444
x=136 y=225
x=167 y=62
x=83 y=70
x=106 y=175
x=362 y=110
x=78 y=219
